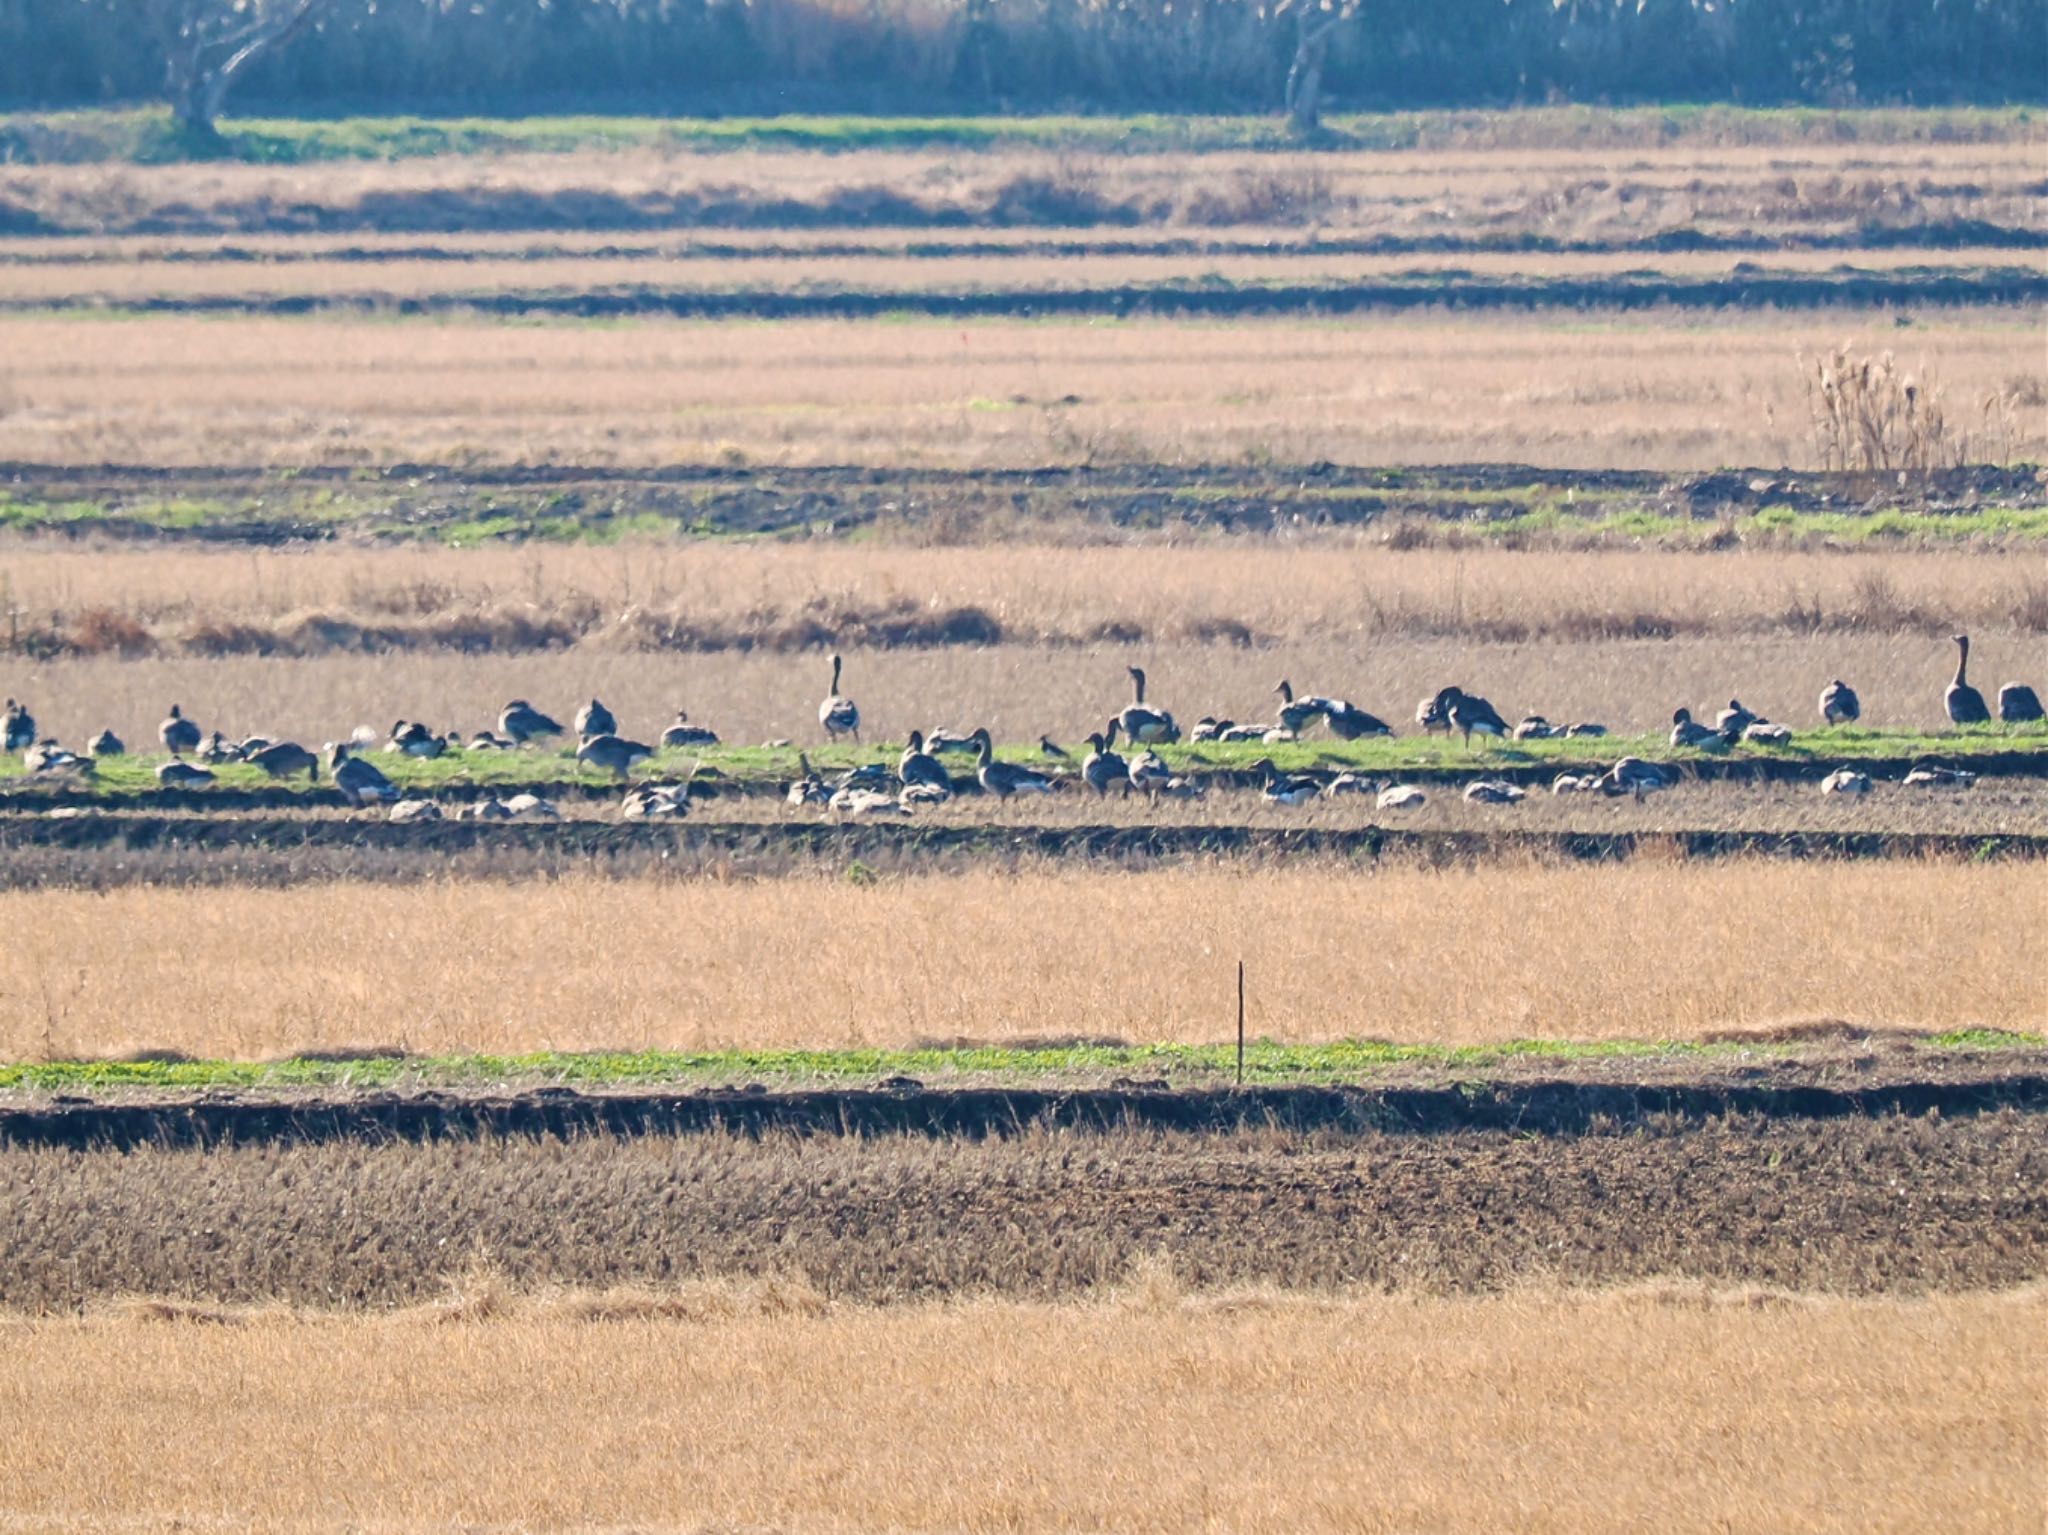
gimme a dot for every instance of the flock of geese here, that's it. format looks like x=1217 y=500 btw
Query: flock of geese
x=919 y=778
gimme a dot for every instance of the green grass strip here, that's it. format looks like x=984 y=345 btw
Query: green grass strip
x=1266 y=1061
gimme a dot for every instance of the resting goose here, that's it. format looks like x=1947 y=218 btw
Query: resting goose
x=1401 y=796
x=106 y=744
x=1687 y=731
x=1490 y=791
x=1839 y=704
x=1938 y=775
x=2018 y=704
x=866 y=804
x=1764 y=733
x=1004 y=779
x=919 y=769
x=360 y=782
x=613 y=754
x=1209 y=728
x=414 y=740
x=180 y=774
x=656 y=802
x=1102 y=766
x=594 y=719
x=1534 y=727
x=1734 y=720
x=1278 y=789
x=407 y=811
x=1145 y=726
x=683 y=734
x=1634 y=775
x=1964 y=703
x=1845 y=780
x=285 y=759
x=840 y=716
x=46 y=756
x=531 y=807
x=809 y=789
x=520 y=722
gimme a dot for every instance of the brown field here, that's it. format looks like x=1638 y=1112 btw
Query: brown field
x=1663 y=1406
x=1585 y=390
x=1466 y=955
x=112 y=281
x=1018 y=691
x=1592 y=195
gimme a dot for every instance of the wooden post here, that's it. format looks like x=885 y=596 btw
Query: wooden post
x=1240 y=1023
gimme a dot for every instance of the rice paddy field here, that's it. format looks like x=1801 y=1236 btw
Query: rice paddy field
x=1391 y=1131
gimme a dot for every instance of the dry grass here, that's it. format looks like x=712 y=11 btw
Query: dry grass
x=1559 y=194
x=1655 y=391
x=1463 y=955
x=1667 y=1407
x=1018 y=691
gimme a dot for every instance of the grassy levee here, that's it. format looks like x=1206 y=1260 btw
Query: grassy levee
x=150 y=136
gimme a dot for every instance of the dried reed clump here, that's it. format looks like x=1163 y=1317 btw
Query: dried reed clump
x=1870 y=413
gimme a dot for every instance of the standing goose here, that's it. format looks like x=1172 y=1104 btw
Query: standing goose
x=1468 y=713
x=106 y=744
x=1146 y=726
x=682 y=733
x=1965 y=704
x=594 y=719
x=2018 y=704
x=178 y=734
x=1103 y=766
x=840 y=716
x=519 y=722
x=1348 y=722
x=919 y=769
x=359 y=781
x=1148 y=773
x=1839 y=704
x=18 y=727
x=1296 y=717
x=1004 y=779
x=285 y=759
x=613 y=754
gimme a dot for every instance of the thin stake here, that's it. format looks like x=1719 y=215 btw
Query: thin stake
x=1240 y=1023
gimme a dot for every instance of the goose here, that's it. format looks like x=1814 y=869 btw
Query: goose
x=178 y=734
x=489 y=741
x=1492 y=791
x=1349 y=783
x=1434 y=712
x=1965 y=704
x=917 y=795
x=1585 y=728
x=106 y=744
x=531 y=807
x=1687 y=731
x=519 y=722
x=1347 y=722
x=17 y=728
x=1764 y=733
x=1468 y=713
x=249 y=746
x=869 y=775
x=810 y=788
x=594 y=719
x=1146 y=727
x=613 y=754
x=1534 y=727
x=1148 y=772
x=360 y=782
x=218 y=750
x=1295 y=717
x=1235 y=732
x=656 y=802
x=1052 y=751
x=1845 y=780
x=949 y=741
x=1575 y=783
x=492 y=809
x=1938 y=775
x=865 y=803
x=180 y=774
x=1401 y=796
x=840 y=716
x=1209 y=728
x=46 y=756
x=1103 y=766
x=1839 y=704
x=2018 y=704
x=1634 y=775
x=1735 y=719
x=682 y=733
x=414 y=740
x=407 y=811
x=919 y=769
x=285 y=759
x=1004 y=779
x=1278 y=789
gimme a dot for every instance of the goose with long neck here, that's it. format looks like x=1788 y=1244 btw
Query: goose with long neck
x=1965 y=704
x=839 y=715
x=918 y=768
x=1103 y=766
x=1004 y=779
x=1146 y=726
x=1296 y=717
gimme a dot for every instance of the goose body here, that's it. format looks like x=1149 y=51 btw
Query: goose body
x=594 y=719
x=1148 y=772
x=180 y=774
x=1587 y=728
x=839 y=715
x=1845 y=781
x=919 y=769
x=106 y=744
x=1103 y=767
x=414 y=740
x=949 y=741
x=1144 y=725
x=218 y=750
x=519 y=722
x=683 y=734
x=1575 y=783
x=809 y=789
x=407 y=811
x=1687 y=731
x=490 y=741
x=178 y=734
x=531 y=807
x=1764 y=733
x=1348 y=722
x=1296 y=715
x=1734 y=720
x=1434 y=712
x=1636 y=776
x=1964 y=703
x=285 y=759
x=484 y=810
x=17 y=728
x=866 y=804
x=613 y=754
x=1209 y=728
x=1534 y=727
x=46 y=756
x=1461 y=711
x=869 y=775
x=2018 y=704
x=1493 y=792
x=918 y=796
x=1349 y=783
x=657 y=802
x=1277 y=788
x=1839 y=704
x=359 y=781
x=1004 y=779
x=1938 y=775
x=1235 y=732
x=1401 y=796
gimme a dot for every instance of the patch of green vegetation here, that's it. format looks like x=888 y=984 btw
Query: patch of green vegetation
x=148 y=136
x=1266 y=1062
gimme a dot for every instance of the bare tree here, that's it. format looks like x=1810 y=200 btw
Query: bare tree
x=208 y=44
x=1315 y=23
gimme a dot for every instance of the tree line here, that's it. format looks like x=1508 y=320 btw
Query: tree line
x=288 y=57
